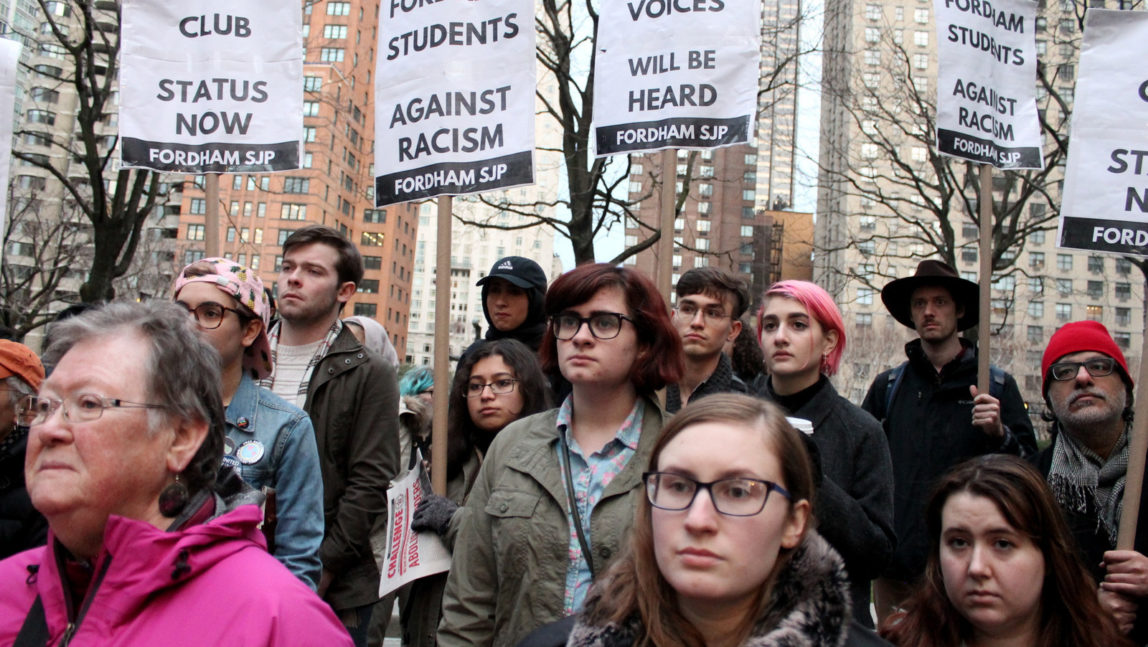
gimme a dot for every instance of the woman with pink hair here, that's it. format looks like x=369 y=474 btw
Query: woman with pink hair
x=803 y=337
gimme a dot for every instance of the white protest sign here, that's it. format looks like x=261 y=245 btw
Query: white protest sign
x=673 y=74
x=405 y=555
x=211 y=86
x=454 y=98
x=9 y=58
x=986 y=82
x=1105 y=200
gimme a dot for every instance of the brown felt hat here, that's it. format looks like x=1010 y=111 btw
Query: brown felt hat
x=896 y=295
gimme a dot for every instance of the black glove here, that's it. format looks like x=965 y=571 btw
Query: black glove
x=434 y=513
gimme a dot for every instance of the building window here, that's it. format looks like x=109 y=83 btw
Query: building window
x=969 y=230
x=969 y=254
x=1064 y=312
x=296 y=185
x=375 y=215
x=331 y=54
x=921 y=15
x=45 y=95
x=312 y=83
x=865 y=296
x=873 y=11
x=1123 y=291
x=1036 y=334
x=1064 y=262
x=864 y=319
x=747 y=231
x=338 y=8
x=1036 y=260
x=283 y=234
x=1123 y=266
x=1094 y=312
x=42 y=117
x=334 y=31
x=1036 y=285
x=311 y=109
x=921 y=38
x=231 y=234
x=1036 y=309
x=1064 y=287
x=291 y=211
x=366 y=309
x=198 y=205
x=1096 y=289
x=868 y=223
x=1123 y=316
x=195 y=232
x=372 y=238
x=1123 y=339
x=1096 y=264
x=368 y=286
x=872 y=35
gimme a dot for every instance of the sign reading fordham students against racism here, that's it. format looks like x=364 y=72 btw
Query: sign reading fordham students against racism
x=211 y=86
x=454 y=98
x=9 y=59
x=986 y=82
x=675 y=74
x=1105 y=202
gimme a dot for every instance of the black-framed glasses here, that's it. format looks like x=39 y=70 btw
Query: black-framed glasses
x=497 y=387
x=709 y=313
x=209 y=315
x=82 y=407
x=734 y=497
x=1096 y=367
x=603 y=325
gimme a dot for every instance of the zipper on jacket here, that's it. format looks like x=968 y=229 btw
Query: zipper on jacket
x=68 y=633
x=74 y=624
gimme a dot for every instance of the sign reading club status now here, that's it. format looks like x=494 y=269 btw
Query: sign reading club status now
x=1105 y=200
x=672 y=74
x=986 y=82
x=211 y=86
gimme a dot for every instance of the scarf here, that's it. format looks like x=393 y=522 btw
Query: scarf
x=321 y=352
x=1083 y=482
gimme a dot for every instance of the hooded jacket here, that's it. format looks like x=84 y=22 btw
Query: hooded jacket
x=207 y=584
x=810 y=609
x=531 y=330
x=929 y=426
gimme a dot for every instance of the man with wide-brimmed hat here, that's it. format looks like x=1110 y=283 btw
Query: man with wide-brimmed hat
x=931 y=410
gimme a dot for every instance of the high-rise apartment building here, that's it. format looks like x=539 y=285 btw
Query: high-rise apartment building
x=335 y=185
x=879 y=198
x=725 y=219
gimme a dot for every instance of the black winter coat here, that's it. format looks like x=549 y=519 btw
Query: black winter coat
x=930 y=430
x=21 y=526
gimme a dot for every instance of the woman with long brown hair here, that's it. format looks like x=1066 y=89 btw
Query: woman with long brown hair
x=1002 y=569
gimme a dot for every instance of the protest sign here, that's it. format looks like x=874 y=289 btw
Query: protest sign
x=210 y=86
x=1105 y=200
x=454 y=98
x=404 y=555
x=986 y=82
x=674 y=74
x=9 y=59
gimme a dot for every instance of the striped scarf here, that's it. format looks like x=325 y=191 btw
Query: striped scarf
x=321 y=352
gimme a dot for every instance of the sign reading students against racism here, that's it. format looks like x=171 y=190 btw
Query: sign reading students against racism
x=211 y=86
x=454 y=98
x=675 y=74
x=1105 y=201
x=986 y=85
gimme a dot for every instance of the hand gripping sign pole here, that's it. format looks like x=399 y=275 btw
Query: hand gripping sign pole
x=441 y=346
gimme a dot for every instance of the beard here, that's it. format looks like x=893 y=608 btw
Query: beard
x=1094 y=417
x=301 y=314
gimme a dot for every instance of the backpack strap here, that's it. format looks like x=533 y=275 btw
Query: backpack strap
x=896 y=374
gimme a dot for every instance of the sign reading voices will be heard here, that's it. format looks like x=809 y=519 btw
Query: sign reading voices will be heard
x=986 y=82
x=211 y=86
x=454 y=98
x=675 y=74
x=1105 y=201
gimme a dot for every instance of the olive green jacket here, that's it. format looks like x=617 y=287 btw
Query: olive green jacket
x=508 y=575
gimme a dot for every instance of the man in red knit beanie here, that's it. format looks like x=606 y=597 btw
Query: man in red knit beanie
x=1088 y=391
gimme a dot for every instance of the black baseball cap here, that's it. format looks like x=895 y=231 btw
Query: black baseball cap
x=519 y=270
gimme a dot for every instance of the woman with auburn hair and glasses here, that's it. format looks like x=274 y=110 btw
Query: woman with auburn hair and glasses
x=723 y=550
x=1002 y=569
x=525 y=556
x=803 y=339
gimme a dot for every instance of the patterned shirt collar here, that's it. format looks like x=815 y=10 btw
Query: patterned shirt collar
x=628 y=434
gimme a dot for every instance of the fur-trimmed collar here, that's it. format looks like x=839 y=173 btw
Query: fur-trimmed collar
x=810 y=606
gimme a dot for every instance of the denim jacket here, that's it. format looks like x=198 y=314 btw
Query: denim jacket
x=273 y=444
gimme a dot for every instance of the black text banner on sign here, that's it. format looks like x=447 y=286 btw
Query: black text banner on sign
x=986 y=82
x=454 y=98
x=211 y=86
x=675 y=74
x=1105 y=204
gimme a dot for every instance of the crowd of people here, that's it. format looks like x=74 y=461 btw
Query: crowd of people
x=619 y=472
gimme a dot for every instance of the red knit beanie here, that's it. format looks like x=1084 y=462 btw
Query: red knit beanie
x=1076 y=337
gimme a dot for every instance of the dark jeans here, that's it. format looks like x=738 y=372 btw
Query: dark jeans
x=356 y=620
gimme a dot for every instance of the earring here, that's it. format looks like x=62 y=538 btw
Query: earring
x=173 y=498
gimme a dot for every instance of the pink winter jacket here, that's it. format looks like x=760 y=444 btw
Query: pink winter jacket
x=231 y=592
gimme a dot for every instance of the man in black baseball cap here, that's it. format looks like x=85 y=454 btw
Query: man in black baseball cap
x=512 y=296
x=932 y=413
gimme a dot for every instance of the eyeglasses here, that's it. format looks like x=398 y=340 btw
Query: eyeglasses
x=82 y=407
x=497 y=387
x=711 y=313
x=210 y=315
x=734 y=497
x=1096 y=367
x=603 y=325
